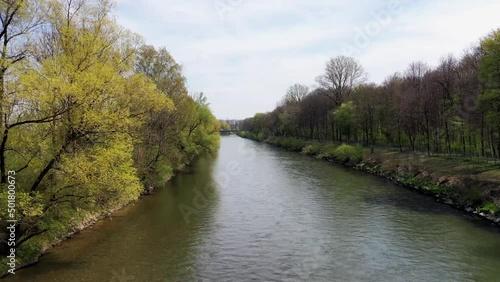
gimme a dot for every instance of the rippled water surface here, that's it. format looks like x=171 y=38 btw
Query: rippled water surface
x=258 y=213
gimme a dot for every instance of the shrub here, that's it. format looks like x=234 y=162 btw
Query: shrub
x=261 y=136
x=347 y=153
x=491 y=208
x=283 y=142
x=247 y=134
x=328 y=151
x=313 y=149
x=297 y=144
x=472 y=196
x=290 y=143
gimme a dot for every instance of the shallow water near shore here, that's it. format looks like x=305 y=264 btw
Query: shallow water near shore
x=259 y=213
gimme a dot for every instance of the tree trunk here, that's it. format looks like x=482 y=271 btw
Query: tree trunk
x=399 y=140
x=482 y=136
x=463 y=140
x=498 y=145
x=448 y=141
x=492 y=144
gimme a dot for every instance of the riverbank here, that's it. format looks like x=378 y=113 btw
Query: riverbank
x=470 y=186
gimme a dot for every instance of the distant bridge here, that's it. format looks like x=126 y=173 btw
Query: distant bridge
x=227 y=132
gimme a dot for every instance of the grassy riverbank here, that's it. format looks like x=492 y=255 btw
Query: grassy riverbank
x=466 y=184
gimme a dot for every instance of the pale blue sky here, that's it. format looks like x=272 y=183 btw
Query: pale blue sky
x=244 y=54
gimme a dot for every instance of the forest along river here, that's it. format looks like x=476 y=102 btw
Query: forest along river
x=256 y=212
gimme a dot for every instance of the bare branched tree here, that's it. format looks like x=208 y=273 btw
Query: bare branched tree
x=296 y=93
x=342 y=75
x=415 y=74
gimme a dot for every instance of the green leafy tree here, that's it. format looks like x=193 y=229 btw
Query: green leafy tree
x=69 y=133
x=490 y=75
x=345 y=117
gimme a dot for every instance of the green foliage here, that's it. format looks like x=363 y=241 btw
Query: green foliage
x=261 y=136
x=328 y=151
x=471 y=196
x=313 y=149
x=490 y=75
x=292 y=144
x=345 y=117
x=249 y=135
x=86 y=130
x=490 y=61
x=258 y=125
x=491 y=208
x=490 y=102
x=159 y=152
x=343 y=153
x=347 y=153
x=225 y=126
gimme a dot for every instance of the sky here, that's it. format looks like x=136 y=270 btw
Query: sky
x=244 y=54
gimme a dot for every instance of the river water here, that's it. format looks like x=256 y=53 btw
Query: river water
x=259 y=213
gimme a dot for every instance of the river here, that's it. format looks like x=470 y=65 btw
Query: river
x=259 y=213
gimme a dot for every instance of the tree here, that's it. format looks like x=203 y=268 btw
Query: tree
x=490 y=76
x=446 y=76
x=345 y=118
x=201 y=99
x=469 y=88
x=224 y=125
x=315 y=111
x=389 y=116
x=172 y=137
x=86 y=123
x=412 y=95
x=70 y=135
x=366 y=102
x=19 y=20
x=162 y=69
x=342 y=75
x=296 y=93
x=430 y=100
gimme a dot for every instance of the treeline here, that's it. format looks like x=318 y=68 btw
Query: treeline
x=90 y=118
x=230 y=124
x=453 y=108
